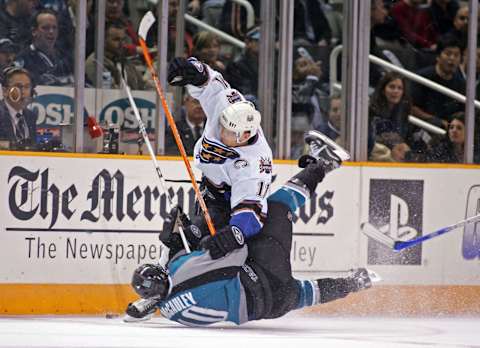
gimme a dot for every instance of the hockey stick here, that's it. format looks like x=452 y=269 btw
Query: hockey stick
x=397 y=245
x=143 y=29
x=144 y=134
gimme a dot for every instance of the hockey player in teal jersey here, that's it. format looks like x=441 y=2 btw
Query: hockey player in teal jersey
x=254 y=280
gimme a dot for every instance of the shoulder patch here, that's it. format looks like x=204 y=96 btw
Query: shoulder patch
x=240 y=163
x=233 y=97
x=265 y=165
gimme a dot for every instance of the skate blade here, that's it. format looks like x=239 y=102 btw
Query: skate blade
x=374 y=276
x=128 y=319
x=337 y=149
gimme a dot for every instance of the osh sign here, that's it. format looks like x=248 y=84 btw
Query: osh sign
x=55 y=106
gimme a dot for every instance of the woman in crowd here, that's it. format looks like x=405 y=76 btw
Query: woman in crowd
x=206 y=48
x=388 y=114
x=450 y=149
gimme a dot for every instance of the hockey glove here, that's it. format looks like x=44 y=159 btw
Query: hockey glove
x=170 y=236
x=189 y=71
x=224 y=241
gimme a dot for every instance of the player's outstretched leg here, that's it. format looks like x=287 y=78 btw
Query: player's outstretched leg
x=324 y=151
x=324 y=290
x=335 y=288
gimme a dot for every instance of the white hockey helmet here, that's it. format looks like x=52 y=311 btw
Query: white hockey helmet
x=241 y=117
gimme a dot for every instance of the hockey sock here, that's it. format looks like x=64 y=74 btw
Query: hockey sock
x=291 y=195
x=309 y=293
x=310 y=177
x=298 y=189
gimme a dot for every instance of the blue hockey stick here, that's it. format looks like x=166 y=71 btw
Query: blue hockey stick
x=397 y=245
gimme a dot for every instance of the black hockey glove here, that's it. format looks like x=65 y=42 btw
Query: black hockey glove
x=169 y=235
x=224 y=241
x=189 y=71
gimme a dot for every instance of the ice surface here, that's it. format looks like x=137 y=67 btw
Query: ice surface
x=294 y=330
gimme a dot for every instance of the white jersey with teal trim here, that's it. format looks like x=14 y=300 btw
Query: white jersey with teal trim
x=246 y=169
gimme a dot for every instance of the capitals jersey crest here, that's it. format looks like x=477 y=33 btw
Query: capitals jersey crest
x=212 y=152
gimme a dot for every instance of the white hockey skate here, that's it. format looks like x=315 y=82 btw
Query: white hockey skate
x=363 y=278
x=325 y=150
x=140 y=310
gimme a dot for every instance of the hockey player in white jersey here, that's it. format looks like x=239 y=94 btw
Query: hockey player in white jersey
x=232 y=153
x=254 y=281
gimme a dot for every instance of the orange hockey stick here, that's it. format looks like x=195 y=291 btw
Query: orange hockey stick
x=145 y=25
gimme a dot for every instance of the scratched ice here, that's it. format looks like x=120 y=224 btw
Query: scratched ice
x=293 y=330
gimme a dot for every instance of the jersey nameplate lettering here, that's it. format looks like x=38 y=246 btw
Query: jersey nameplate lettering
x=177 y=304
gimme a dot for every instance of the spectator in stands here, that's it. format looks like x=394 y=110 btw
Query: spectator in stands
x=382 y=23
x=334 y=15
x=463 y=69
x=66 y=25
x=115 y=61
x=388 y=114
x=15 y=17
x=114 y=13
x=442 y=13
x=7 y=53
x=415 y=23
x=378 y=14
x=460 y=26
x=234 y=18
x=17 y=123
x=310 y=26
x=433 y=106
x=211 y=11
x=306 y=95
x=242 y=73
x=190 y=127
x=299 y=126
x=206 y=48
x=450 y=149
x=172 y=32
x=45 y=62
x=333 y=126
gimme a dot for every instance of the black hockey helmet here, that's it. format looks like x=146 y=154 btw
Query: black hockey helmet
x=151 y=281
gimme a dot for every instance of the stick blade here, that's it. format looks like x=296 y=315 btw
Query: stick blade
x=145 y=25
x=370 y=231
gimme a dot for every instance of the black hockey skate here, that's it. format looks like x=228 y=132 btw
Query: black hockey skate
x=140 y=310
x=324 y=150
x=360 y=279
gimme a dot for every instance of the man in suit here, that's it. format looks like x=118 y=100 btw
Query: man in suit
x=17 y=123
x=190 y=127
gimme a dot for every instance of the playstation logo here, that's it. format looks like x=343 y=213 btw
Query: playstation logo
x=395 y=211
x=398 y=227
